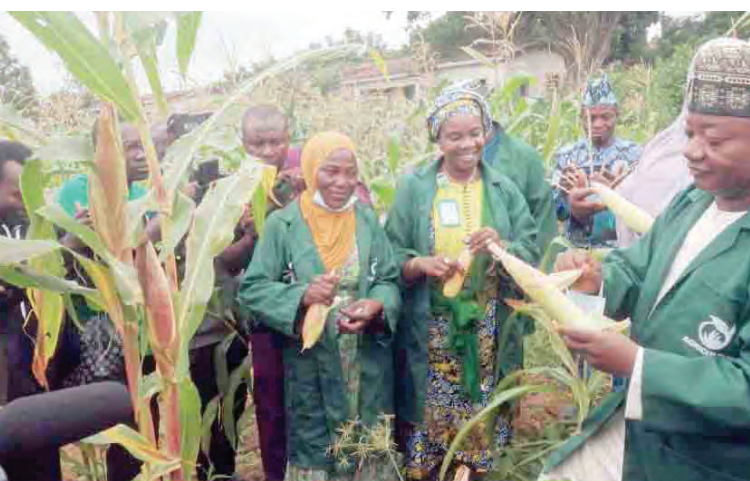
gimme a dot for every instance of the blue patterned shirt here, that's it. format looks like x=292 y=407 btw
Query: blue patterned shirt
x=599 y=230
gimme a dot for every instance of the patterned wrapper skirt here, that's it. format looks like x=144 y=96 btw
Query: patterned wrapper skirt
x=448 y=407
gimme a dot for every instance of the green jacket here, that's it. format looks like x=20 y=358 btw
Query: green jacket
x=696 y=364
x=524 y=166
x=408 y=228
x=283 y=264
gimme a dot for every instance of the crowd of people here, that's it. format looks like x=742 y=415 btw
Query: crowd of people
x=400 y=354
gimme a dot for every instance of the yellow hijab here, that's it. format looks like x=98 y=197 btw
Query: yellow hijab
x=332 y=232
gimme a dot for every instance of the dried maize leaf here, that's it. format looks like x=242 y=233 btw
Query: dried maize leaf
x=315 y=322
x=633 y=216
x=544 y=292
x=453 y=286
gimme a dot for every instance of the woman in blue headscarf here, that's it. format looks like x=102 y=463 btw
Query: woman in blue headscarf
x=451 y=351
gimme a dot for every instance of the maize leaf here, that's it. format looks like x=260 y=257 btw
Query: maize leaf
x=263 y=191
x=242 y=374
x=135 y=443
x=497 y=401
x=631 y=215
x=453 y=286
x=544 y=292
x=190 y=415
x=14 y=251
x=48 y=305
x=212 y=232
x=315 y=322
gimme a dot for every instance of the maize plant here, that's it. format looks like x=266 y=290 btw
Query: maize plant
x=550 y=306
x=136 y=282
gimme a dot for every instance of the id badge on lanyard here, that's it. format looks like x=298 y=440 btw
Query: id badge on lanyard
x=449 y=213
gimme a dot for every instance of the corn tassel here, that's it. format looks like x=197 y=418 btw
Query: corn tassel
x=633 y=216
x=453 y=286
x=543 y=291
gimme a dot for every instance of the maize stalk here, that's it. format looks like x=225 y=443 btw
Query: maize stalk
x=453 y=286
x=544 y=291
x=633 y=216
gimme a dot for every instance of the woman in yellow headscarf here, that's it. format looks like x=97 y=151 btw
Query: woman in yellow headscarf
x=328 y=251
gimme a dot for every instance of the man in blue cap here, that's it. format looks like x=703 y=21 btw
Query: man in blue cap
x=600 y=157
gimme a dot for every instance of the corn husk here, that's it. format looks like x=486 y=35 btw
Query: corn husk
x=564 y=279
x=314 y=324
x=453 y=286
x=543 y=291
x=630 y=214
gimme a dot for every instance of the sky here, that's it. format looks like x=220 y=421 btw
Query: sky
x=225 y=39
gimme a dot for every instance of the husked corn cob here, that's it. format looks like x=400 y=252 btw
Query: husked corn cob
x=453 y=286
x=633 y=216
x=544 y=291
x=315 y=322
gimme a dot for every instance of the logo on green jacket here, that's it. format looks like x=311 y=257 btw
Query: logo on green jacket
x=716 y=334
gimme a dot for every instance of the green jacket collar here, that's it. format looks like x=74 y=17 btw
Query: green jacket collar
x=429 y=172
x=293 y=217
x=696 y=203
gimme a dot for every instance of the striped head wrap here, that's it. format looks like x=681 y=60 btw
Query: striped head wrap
x=457 y=101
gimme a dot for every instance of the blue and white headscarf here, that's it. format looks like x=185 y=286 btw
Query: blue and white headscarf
x=599 y=92
x=455 y=100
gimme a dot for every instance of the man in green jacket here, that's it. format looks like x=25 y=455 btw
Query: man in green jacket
x=686 y=288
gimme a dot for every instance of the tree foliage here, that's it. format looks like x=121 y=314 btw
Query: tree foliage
x=16 y=85
x=694 y=30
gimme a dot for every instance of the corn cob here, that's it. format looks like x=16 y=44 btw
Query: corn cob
x=453 y=286
x=315 y=322
x=633 y=216
x=543 y=291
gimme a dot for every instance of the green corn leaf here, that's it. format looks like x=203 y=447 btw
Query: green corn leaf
x=259 y=206
x=385 y=192
x=188 y=24
x=209 y=417
x=26 y=277
x=84 y=56
x=212 y=232
x=220 y=362
x=179 y=223
x=135 y=443
x=497 y=401
x=238 y=376
x=190 y=415
x=13 y=251
x=146 y=48
x=553 y=132
x=57 y=215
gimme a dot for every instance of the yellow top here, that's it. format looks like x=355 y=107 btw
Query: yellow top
x=457 y=214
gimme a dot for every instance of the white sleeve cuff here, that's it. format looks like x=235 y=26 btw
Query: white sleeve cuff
x=633 y=404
